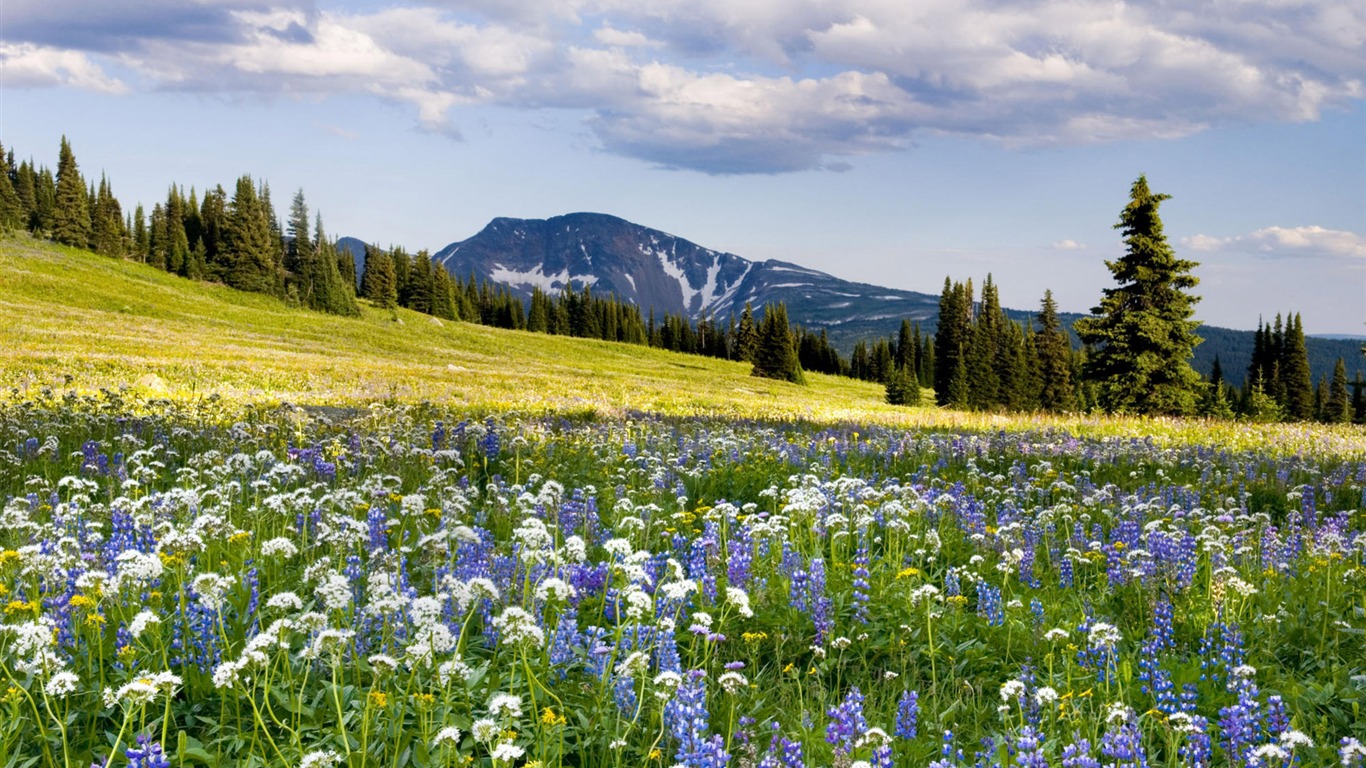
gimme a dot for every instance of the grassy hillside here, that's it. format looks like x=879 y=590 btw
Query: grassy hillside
x=71 y=321
x=74 y=319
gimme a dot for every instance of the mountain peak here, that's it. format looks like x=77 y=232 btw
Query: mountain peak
x=665 y=273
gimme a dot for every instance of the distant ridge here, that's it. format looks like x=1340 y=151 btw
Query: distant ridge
x=666 y=273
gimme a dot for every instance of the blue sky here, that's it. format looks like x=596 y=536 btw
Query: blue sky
x=878 y=140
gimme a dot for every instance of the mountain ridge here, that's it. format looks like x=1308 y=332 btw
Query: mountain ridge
x=659 y=271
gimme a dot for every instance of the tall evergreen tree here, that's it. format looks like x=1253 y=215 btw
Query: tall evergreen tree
x=213 y=218
x=950 y=344
x=1052 y=356
x=902 y=387
x=1141 y=334
x=12 y=213
x=300 y=256
x=341 y=290
x=377 y=279
x=248 y=244
x=45 y=202
x=141 y=241
x=1336 y=408
x=26 y=189
x=775 y=355
x=443 y=303
x=71 y=209
x=106 y=222
x=746 y=336
x=1296 y=381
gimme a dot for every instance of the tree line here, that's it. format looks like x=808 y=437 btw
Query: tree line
x=1134 y=355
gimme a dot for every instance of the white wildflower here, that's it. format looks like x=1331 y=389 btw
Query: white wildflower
x=505 y=705
x=279 y=547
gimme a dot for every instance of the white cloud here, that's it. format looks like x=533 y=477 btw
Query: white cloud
x=1285 y=241
x=31 y=66
x=736 y=87
x=1068 y=245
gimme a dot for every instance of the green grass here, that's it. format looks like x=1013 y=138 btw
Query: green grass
x=72 y=321
x=77 y=320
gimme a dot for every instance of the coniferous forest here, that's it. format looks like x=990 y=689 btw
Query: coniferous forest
x=978 y=358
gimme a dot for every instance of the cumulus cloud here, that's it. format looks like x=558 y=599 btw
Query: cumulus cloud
x=763 y=86
x=1068 y=245
x=1285 y=242
x=26 y=65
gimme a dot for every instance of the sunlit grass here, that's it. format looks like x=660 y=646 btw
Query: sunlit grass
x=73 y=321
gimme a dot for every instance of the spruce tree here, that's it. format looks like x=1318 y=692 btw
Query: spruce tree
x=443 y=305
x=248 y=249
x=1141 y=334
x=300 y=256
x=1052 y=359
x=26 y=189
x=982 y=351
x=902 y=387
x=141 y=241
x=950 y=344
x=12 y=213
x=1336 y=408
x=377 y=280
x=775 y=356
x=71 y=206
x=341 y=291
x=106 y=222
x=45 y=202
x=1295 y=380
x=746 y=336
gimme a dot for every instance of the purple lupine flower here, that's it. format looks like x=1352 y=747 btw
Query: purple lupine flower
x=847 y=724
x=147 y=754
x=1029 y=749
x=688 y=721
x=1078 y=755
x=783 y=752
x=907 y=715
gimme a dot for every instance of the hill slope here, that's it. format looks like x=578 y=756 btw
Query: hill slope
x=73 y=319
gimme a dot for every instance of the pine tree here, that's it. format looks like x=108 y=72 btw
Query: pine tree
x=983 y=340
x=902 y=387
x=341 y=292
x=1336 y=408
x=1295 y=379
x=106 y=222
x=45 y=202
x=177 y=244
x=141 y=241
x=377 y=280
x=775 y=356
x=1052 y=355
x=26 y=189
x=1141 y=335
x=300 y=256
x=71 y=209
x=213 y=218
x=746 y=336
x=12 y=213
x=443 y=305
x=950 y=344
x=248 y=244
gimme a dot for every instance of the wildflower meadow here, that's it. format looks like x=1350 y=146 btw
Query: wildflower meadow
x=404 y=585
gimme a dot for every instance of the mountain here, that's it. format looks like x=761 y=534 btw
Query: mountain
x=656 y=270
x=660 y=271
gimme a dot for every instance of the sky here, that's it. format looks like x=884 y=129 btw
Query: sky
x=882 y=141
